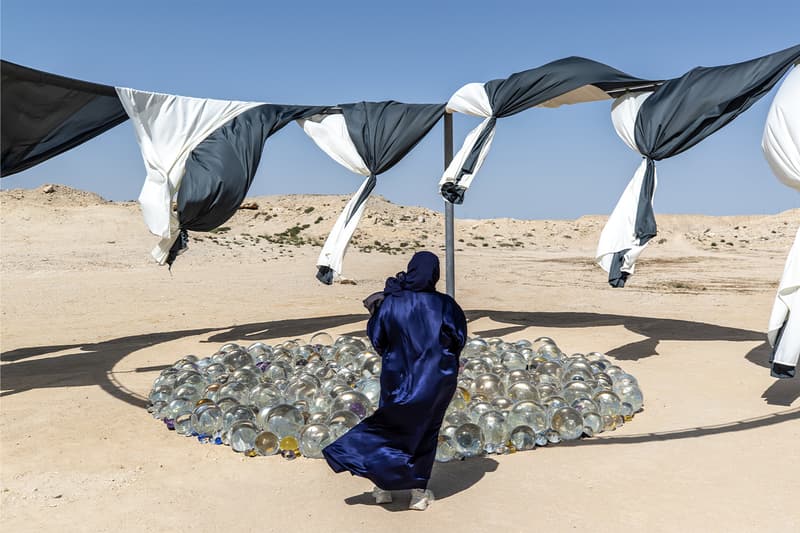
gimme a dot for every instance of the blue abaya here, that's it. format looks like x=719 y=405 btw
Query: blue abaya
x=419 y=333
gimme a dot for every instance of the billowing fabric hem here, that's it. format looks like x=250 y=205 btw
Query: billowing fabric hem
x=338 y=468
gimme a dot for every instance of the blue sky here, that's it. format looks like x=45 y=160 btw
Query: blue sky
x=545 y=163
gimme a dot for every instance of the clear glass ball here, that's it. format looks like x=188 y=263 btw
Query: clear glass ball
x=313 y=438
x=285 y=420
x=469 y=440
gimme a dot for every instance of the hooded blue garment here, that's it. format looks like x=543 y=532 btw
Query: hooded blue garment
x=419 y=333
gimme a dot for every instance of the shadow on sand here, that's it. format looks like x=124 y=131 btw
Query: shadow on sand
x=85 y=364
x=447 y=480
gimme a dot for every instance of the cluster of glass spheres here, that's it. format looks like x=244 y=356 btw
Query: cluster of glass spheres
x=296 y=398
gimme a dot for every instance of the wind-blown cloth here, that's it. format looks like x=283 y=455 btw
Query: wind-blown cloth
x=367 y=138
x=674 y=117
x=200 y=153
x=781 y=146
x=44 y=115
x=565 y=81
x=419 y=334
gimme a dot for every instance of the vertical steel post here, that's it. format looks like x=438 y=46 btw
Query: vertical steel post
x=449 y=215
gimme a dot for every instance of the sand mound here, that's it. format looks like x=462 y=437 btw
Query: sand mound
x=51 y=194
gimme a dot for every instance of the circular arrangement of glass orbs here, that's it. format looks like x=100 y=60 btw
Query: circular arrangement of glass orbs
x=296 y=398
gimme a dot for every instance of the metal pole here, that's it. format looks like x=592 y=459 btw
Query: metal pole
x=449 y=216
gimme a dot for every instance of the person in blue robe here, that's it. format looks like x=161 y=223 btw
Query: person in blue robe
x=419 y=334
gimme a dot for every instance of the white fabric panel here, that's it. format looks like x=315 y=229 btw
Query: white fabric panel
x=458 y=160
x=587 y=93
x=781 y=140
x=619 y=232
x=787 y=304
x=338 y=240
x=624 y=111
x=330 y=133
x=168 y=128
x=471 y=99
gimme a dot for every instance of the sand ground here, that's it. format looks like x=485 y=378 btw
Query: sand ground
x=88 y=321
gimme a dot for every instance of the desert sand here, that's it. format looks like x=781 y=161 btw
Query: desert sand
x=88 y=320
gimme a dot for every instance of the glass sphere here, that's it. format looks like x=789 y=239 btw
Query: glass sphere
x=568 y=423
x=207 y=419
x=353 y=401
x=514 y=376
x=513 y=361
x=313 y=438
x=340 y=422
x=478 y=408
x=474 y=368
x=237 y=391
x=577 y=390
x=264 y=395
x=585 y=406
x=301 y=389
x=493 y=426
x=177 y=407
x=267 y=443
x=522 y=390
x=290 y=444
x=469 y=440
x=502 y=404
x=523 y=438
x=631 y=394
x=243 y=436
x=183 y=423
x=321 y=339
x=262 y=418
x=457 y=418
x=162 y=393
x=239 y=413
x=246 y=377
x=285 y=420
x=592 y=421
x=226 y=404
x=445 y=449
x=488 y=385
x=608 y=403
x=371 y=388
x=450 y=431
x=528 y=413
x=320 y=417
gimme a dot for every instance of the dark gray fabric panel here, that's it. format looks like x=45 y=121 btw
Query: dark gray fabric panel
x=220 y=169
x=778 y=370
x=684 y=111
x=384 y=132
x=362 y=197
x=645 y=225
x=44 y=115
x=529 y=88
x=616 y=277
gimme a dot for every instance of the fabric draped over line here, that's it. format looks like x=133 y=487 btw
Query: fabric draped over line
x=564 y=81
x=781 y=146
x=201 y=153
x=395 y=447
x=367 y=138
x=625 y=235
x=44 y=115
x=676 y=116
